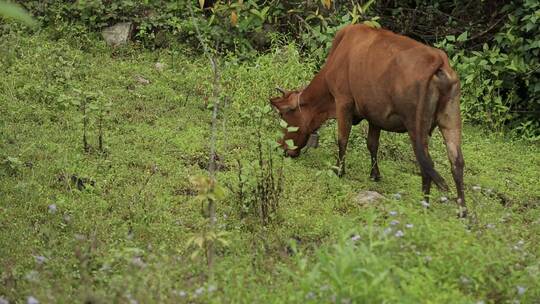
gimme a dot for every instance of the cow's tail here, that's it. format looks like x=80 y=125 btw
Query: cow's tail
x=432 y=92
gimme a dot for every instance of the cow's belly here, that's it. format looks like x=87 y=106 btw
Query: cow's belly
x=392 y=123
x=383 y=118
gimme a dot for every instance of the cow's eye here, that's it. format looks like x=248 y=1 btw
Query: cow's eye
x=289 y=110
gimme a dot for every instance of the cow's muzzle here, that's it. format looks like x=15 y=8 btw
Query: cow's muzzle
x=292 y=153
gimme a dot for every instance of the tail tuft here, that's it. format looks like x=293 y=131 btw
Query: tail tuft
x=426 y=166
x=430 y=92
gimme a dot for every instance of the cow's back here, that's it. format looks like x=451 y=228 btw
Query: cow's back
x=379 y=70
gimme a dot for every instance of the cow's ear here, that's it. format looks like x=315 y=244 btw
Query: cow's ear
x=282 y=91
x=283 y=105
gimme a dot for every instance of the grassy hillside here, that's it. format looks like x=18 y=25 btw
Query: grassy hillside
x=112 y=225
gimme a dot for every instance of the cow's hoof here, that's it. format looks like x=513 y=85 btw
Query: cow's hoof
x=375 y=177
x=462 y=213
x=338 y=171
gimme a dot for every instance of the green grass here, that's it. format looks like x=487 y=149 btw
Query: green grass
x=125 y=238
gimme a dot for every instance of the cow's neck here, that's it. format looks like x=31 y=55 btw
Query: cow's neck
x=317 y=97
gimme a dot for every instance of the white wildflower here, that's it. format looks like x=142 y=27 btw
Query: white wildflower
x=31 y=300
x=212 y=288
x=52 y=208
x=355 y=238
x=40 y=259
x=199 y=291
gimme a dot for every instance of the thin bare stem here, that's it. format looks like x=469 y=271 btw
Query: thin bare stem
x=212 y=159
x=85 y=126
x=100 y=135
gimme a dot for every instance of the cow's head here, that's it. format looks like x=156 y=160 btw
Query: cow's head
x=291 y=110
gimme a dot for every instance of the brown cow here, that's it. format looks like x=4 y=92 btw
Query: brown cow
x=397 y=84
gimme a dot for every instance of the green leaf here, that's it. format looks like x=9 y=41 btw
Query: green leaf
x=462 y=37
x=16 y=12
x=224 y=242
x=283 y=123
x=219 y=192
x=372 y=23
x=292 y=129
x=267 y=109
x=14 y=160
x=366 y=6
x=290 y=144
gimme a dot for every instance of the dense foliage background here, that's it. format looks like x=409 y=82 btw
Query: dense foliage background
x=494 y=44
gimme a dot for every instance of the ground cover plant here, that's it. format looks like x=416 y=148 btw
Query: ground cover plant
x=99 y=149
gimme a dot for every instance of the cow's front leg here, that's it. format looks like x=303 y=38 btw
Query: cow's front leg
x=344 y=119
x=373 y=146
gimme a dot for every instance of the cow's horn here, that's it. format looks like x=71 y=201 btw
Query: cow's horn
x=282 y=91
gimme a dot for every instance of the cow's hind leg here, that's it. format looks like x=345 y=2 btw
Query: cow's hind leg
x=449 y=121
x=373 y=146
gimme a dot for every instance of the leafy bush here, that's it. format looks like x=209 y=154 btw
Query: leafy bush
x=15 y=12
x=260 y=182
x=242 y=26
x=501 y=82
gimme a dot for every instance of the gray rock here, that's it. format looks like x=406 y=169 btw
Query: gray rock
x=368 y=197
x=138 y=261
x=117 y=34
x=141 y=80
x=159 y=66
